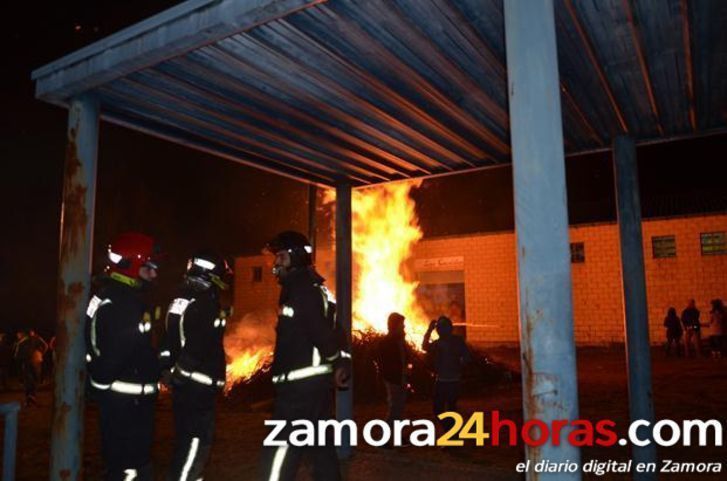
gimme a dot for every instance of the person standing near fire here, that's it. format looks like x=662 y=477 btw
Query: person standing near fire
x=310 y=358
x=692 y=329
x=193 y=362
x=29 y=354
x=123 y=366
x=393 y=360
x=450 y=354
x=717 y=321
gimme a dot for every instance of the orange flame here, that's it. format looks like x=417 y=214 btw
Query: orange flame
x=249 y=345
x=245 y=364
x=385 y=230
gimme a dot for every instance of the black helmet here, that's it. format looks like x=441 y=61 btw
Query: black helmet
x=296 y=244
x=206 y=268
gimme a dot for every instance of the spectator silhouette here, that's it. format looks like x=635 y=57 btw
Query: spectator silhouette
x=673 y=331
x=717 y=320
x=692 y=329
x=449 y=354
x=393 y=361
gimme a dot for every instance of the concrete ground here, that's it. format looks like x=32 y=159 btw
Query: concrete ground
x=683 y=389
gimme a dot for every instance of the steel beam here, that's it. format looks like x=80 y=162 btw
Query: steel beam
x=344 y=399
x=76 y=241
x=636 y=315
x=541 y=225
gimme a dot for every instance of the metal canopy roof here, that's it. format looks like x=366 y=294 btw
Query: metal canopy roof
x=368 y=91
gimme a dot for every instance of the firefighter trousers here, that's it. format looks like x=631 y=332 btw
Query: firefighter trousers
x=127 y=433
x=194 y=427
x=310 y=399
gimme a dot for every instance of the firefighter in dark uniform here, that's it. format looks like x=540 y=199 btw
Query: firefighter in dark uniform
x=123 y=366
x=193 y=362
x=310 y=358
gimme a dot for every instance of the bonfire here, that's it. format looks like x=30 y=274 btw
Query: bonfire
x=385 y=231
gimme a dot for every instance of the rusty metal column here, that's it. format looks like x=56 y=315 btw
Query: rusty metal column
x=541 y=224
x=636 y=314
x=74 y=270
x=344 y=270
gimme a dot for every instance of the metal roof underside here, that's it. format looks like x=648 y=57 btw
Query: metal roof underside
x=370 y=91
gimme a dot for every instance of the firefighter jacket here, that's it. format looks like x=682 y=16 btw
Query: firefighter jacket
x=308 y=341
x=193 y=346
x=119 y=351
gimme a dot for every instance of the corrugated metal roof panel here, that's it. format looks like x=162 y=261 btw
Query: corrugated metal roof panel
x=373 y=91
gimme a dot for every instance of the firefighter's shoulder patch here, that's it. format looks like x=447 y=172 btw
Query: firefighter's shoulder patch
x=178 y=306
x=94 y=304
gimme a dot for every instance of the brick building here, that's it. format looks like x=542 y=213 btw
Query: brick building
x=685 y=257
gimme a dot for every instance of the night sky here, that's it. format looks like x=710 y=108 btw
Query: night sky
x=189 y=200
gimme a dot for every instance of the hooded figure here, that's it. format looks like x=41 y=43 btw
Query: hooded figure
x=449 y=354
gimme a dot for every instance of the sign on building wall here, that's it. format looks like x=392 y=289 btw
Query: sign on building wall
x=452 y=263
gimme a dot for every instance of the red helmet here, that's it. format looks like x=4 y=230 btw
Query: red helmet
x=131 y=251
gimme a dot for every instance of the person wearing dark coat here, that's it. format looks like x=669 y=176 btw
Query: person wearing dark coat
x=311 y=357
x=673 y=326
x=692 y=329
x=449 y=355
x=28 y=354
x=193 y=362
x=393 y=360
x=717 y=324
x=123 y=365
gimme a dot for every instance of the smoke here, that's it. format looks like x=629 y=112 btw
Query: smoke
x=255 y=330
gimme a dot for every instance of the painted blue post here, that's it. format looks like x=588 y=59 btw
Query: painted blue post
x=10 y=412
x=344 y=399
x=636 y=316
x=76 y=241
x=541 y=224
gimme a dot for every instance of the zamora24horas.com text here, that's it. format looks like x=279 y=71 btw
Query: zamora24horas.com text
x=502 y=432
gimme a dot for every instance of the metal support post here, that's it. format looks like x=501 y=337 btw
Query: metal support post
x=541 y=224
x=10 y=438
x=636 y=315
x=344 y=399
x=76 y=241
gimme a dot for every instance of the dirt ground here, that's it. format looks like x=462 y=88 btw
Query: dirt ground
x=683 y=389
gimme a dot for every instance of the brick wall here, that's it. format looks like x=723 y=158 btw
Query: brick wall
x=251 y=296
x=261 y=297
x=491 y=279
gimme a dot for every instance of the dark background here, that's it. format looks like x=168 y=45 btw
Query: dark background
x=189 y=200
